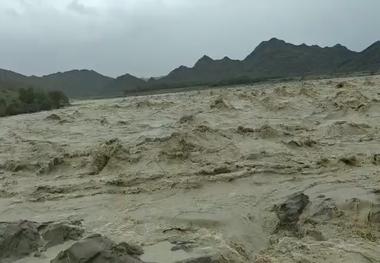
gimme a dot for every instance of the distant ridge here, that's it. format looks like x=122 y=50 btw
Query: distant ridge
x=74 y=83
x=367 y=60
x=271 y=58
x=122 y=83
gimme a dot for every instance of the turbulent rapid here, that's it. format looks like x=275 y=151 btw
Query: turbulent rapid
x=284 y=172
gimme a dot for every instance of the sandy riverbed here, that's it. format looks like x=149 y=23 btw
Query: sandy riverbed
x=206 y=168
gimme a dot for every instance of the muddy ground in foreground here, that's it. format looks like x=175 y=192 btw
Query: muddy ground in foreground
x=199 y=173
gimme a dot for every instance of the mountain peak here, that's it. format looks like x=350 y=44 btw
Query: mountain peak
x=126 y=76
x=226 y=59
x=204 y=59
x=339 y=46
x=178 y=70
x=182 y=67
x=275 y=40
x=273 y=43
x=74 y=72
x=123 y=83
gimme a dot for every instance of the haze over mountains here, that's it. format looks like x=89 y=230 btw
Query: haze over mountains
x=273 y=58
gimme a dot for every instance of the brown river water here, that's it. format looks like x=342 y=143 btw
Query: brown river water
x=206 y=168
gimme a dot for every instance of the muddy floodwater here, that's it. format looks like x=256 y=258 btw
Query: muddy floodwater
x=202 y=175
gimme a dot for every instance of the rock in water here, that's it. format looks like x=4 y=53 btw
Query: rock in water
x=96 y=249
x=290 y=211
x=58 y=233
x=23 y=238
x=206 y=259
x=18 y=239
x=53 y=117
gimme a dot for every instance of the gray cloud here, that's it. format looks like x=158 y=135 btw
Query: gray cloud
x=10 y=12
x=80 y=8
x=152 y=37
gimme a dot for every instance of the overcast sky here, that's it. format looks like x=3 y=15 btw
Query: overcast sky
x=152 y=37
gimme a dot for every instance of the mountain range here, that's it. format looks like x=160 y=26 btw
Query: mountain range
x=270 y=59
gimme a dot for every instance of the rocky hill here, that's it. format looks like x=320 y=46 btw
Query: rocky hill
x=278 y=58
x=272 y=58
x=368 y=60
x=204 y=70
x=74 y=83
x=10 y=75
x=121 y=84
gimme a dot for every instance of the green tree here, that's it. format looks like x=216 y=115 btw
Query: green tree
x=3 y=108
x=22 y=95
x=58 y=99
x=31 y=96
x=26 y=95
x=43 y=101
x=15 y=108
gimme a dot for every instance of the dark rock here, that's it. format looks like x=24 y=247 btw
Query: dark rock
x=24 y=238
x=132 y=250
x=186 y=118
x=243 y=130
x=53 y=117
x=295 y=143
x=290 y=211
x=39 y=254
x=205 y=259
x=376 y=159
x=96 y=249
x=327 y=210
x=122 y=122
x=307 y=142
x=341 y=85
x=351 y=160
x=18 y=239
x=58 y=233
x=103 y=121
